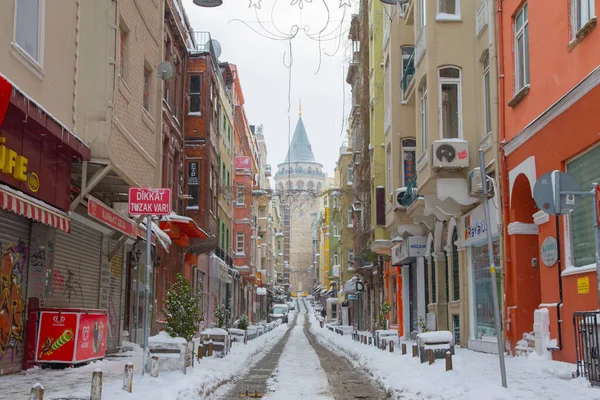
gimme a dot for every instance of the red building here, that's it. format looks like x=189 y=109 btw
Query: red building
x=550 y=96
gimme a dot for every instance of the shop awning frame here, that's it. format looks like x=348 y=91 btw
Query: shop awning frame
x=20 y=203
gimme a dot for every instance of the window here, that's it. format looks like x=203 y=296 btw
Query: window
x=485 y=327
x=424 y=139
x=421 y=11
x=350 y=258
x=29 y=27
x=350 y=224
x=336 y=230
x=448 y=9
x=122 y=52
x=195 y=94
x=239 y=243
x=450 y=99
x=521 y=48
x=487 y=113
x=147 y=78
x=336 y=202
x=581 y=12
x=336 y=259
x=584 y=169
x=409 y=170
x=389 y=169
x=240 y=198
x=350 y=174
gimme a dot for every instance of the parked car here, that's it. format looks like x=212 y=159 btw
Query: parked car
x=279 y=311
x=291 y=305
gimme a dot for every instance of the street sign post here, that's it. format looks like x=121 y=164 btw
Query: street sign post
x=557 y=193
x=148 y=202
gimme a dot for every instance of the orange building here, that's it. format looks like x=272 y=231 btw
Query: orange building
x=549 y=88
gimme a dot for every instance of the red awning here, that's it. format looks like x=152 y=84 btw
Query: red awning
x=22 y=204
x=182 y=230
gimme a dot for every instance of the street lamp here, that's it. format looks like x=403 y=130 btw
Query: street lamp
x=208 y=3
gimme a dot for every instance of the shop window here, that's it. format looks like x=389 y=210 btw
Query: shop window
x=482 y=289
x=450 y=103
x=582 y=11
x=392 y=300
x=584 y=169
x=29 y=28
x=195 y=94
x=521 y=26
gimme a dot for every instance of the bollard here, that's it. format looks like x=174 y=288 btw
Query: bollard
x=37 y=392
x=154 y=371
x=370 y=340
x=392 y=347
x=403 y=349
x=431 y=356
x=448 y=361
x=415 y=350
x=210 y=348
x=96 y=392
x=200 y=352
x=383 y=344
x=128 y=377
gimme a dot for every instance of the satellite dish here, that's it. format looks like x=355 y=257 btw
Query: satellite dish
x=165 y=70
x=216 y=47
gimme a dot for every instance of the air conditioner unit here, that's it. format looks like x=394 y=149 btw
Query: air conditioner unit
x=450 y=154
x=474 y=185
x=398 y=196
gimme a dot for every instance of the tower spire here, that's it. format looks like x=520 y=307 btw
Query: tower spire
x=300 y=109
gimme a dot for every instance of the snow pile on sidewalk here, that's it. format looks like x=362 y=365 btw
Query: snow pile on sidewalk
x=475 y=375
x=202 y=379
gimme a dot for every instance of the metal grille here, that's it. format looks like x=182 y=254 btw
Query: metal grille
x=587 y=345
x=14 y=252
x=114 y=300
x=76 y=280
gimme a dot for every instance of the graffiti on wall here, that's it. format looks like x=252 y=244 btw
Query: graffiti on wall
x=13 y=260
x=72 y=287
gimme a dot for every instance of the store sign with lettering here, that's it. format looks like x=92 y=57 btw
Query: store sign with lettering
x=549 y=251
x=475 y=227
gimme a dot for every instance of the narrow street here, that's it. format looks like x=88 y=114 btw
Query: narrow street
x=298 y=367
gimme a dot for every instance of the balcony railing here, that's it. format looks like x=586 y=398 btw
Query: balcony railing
x=226 y=258
x=411 y=193
x=409 y=72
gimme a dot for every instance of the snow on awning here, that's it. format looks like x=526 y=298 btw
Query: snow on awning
x=27 y=206
x=162 y=237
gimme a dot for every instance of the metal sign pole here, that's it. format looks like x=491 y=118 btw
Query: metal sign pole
x=492 y=268
x=147 y=290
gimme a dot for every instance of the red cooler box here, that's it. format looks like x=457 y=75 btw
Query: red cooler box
x=71 y=336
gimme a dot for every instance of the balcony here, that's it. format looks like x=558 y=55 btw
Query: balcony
x=411 y=193
x=222 y=254
x=420 y=46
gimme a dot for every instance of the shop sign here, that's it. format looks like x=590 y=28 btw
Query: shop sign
x=398 y=253
x=243 y=162
x=102 y=213
x=352 y=297
x=549 y=251
x=413 y=246
x=149 y=201
x=583 y=285
x=475 y=227
x=15 y=165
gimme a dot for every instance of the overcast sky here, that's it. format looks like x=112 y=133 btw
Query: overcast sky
x=265 y=79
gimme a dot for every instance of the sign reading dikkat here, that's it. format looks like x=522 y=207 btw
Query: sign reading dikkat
x=149 y=201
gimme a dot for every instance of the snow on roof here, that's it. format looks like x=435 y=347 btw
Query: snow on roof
x=182 y=218
x=164 y=337
x=214 y=331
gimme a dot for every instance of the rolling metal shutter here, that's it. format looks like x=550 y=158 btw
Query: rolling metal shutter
x=115 y=296
x=14 y=242
x=76 y=276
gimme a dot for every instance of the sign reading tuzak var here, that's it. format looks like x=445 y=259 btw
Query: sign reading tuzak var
x=149 y=201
